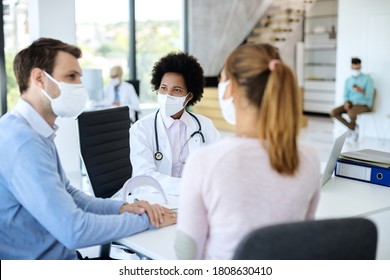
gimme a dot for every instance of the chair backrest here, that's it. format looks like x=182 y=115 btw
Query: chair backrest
x=135 y=84
x=333 y=239
x=374 y=102
x=105 y=148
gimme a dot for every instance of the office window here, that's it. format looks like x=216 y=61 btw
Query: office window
x=102 y=33
x=103 y=36
x=158 y=32
x=15 y=38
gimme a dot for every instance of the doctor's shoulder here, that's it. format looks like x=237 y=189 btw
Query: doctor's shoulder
x=145 y=124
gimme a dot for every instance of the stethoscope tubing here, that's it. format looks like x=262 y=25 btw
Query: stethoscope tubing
x=159 y=155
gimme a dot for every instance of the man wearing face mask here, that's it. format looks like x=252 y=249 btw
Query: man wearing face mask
x=358 y=98
x=161 y=142
x=121 y=93
x=42 y=215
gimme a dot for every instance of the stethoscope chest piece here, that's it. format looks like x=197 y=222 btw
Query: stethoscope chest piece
x=158 y=156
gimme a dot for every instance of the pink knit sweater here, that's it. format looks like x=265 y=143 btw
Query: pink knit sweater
x=229 y=189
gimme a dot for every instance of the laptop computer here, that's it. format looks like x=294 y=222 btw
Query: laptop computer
x=331 y=164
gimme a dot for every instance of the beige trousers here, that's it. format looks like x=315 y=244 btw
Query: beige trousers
x=352 y=113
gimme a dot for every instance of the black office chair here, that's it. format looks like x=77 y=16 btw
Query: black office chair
x=105 y=149
x=135 y=84
x=333 y=239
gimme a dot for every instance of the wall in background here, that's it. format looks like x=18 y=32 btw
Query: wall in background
x=217 y=27
x=363 y=31
x=56 y=19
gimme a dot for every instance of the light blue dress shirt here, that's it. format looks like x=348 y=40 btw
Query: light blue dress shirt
x=364 y=81
x=41 y=215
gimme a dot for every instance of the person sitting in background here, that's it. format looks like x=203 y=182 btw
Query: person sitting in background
x=258 y=177
x=121 y=93
x=42 y=215
x=358 y=98
x=160 y=142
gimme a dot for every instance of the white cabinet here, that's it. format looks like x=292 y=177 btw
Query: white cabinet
x=319 y=57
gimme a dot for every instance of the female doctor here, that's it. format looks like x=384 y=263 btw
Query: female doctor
x=161 y=142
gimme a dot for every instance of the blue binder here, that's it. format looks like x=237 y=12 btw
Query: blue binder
x=364 y=172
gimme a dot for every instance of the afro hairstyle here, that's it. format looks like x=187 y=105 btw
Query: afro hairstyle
x=184 y=64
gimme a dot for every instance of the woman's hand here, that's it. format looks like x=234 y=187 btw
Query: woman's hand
x=159 y=216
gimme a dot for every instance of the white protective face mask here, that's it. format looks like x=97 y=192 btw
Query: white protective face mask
x=227 y=105
x=115 y=81
x=170 y=105
x=355 y=72
x=71 y=101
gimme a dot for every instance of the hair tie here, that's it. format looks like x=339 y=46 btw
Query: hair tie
x=272 y=64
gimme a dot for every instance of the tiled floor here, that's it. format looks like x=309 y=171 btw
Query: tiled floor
x=320 y=134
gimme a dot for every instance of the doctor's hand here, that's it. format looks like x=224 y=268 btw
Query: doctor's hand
x=170 y=217
x=159 y=216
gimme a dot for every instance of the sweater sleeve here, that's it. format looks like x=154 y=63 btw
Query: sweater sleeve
x=316 y=173
x=93 y=204
x=40 y=188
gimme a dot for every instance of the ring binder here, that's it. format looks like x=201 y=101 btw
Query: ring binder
x=363 y=172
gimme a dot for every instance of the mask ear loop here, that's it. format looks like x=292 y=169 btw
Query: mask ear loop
x=185 y=105
x=51 y=78
x=54 y=81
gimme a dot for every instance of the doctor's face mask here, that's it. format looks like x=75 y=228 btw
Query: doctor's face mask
x=170 y=105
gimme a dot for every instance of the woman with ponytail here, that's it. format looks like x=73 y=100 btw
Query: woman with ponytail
x=260 y=176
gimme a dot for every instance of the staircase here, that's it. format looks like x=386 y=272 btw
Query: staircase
x=282 y=26
x=275 y=26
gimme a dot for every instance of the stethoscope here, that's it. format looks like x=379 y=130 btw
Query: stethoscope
x=158 y=155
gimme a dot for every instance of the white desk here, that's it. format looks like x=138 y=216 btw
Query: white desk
x=153 y=244
x=342 y=197
x=339 y=198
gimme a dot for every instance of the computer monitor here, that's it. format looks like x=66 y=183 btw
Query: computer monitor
x=92 y=80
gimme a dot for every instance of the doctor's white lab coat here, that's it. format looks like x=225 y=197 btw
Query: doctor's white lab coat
x=127 y=97
x=143 y=148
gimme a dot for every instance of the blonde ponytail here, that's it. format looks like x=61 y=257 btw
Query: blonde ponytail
x=279 y=119
x=270 y=85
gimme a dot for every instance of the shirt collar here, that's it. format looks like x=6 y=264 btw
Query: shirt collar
x=168 y=121
x=35 y=120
